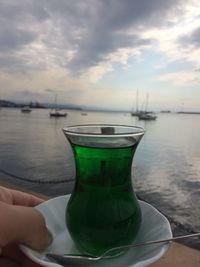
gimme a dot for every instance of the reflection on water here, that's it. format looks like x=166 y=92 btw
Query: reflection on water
x=166 y=166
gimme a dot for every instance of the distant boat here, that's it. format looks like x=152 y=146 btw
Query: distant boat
x=84 y=114
x=26 y=109
x=165 y=111
x=57 y=112
x=147 y=115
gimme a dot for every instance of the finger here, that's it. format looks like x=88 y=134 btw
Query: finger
x=15 y=197
x=23 y=225
x=5 y=195
x=24 y=199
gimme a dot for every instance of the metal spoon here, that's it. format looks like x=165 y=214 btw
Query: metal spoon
x=65 y=260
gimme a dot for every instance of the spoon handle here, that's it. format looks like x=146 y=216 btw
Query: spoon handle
x=65 y=260
x=152 y=242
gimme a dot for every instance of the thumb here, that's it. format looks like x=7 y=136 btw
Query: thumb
x=37 y=235
x=23 y=225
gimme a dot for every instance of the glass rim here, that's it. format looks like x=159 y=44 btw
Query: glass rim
x=138 y=130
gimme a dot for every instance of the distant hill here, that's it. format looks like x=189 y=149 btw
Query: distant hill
x=36 y=105
x=63 y=106
x=11 y=104
x=20 y=104
x=5 y=103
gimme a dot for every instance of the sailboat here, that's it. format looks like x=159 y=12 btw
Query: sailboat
x=26 y=109
x=57 y=112
x=147 y=115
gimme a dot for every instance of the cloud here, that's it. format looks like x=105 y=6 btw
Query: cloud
x=117 y=25
x=49 y=90
x=181 y=78
x=13 y=39
x=91 y=53
x=177 y=41
x=76 y=35
x=66 y=46
x=192 y=38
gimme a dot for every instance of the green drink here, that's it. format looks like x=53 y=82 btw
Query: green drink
x=103 y=210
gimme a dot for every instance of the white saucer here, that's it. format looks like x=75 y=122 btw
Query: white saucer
x=154 y=226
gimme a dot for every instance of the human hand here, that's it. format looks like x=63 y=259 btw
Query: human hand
x=20 y=223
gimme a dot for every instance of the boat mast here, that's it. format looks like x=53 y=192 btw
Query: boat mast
x=146 y=104
x=137 y=101
x=135 y=109
x=56 y=102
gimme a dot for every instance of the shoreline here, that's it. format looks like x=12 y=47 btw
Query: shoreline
x=188 y=112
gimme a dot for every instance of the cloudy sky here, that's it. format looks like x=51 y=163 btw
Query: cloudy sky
x=99 y=52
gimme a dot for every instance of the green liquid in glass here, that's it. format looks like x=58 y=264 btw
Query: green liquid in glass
x=103 y=211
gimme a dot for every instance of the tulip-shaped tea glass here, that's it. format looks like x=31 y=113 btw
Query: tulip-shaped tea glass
x=103 y=211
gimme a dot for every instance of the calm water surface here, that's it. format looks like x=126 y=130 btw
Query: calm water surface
x=166 y=167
